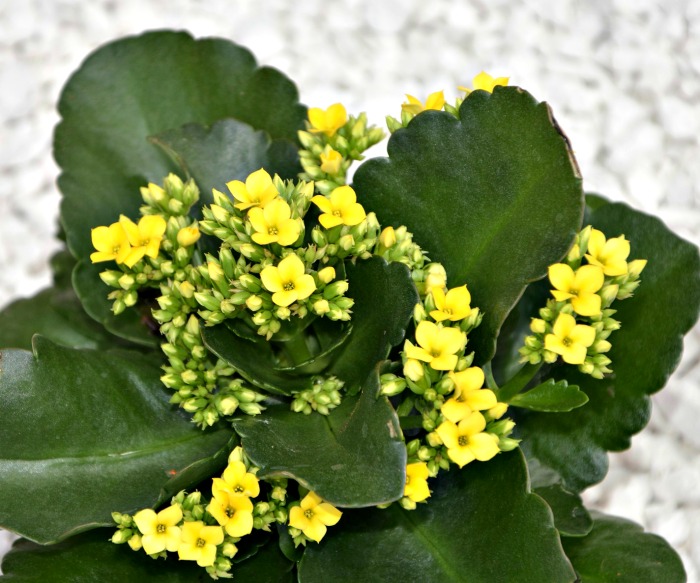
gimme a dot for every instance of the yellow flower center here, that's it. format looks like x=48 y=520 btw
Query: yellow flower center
x=160 y=529
x=567 y=341
x=272 y=231
x=288 y=286
x=309 y=513
x=201 y=542
x=408 y=480
x=337 y=213
x=463 y=440
x=230 y=512
x=238 y=489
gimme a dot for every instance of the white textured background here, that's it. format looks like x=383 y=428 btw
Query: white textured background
x=623 y=78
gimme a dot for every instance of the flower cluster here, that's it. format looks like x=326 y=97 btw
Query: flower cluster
x=576 y=323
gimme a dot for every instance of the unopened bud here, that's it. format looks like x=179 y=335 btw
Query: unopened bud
x=537 y=325
x=413 y=370
x=327 y=274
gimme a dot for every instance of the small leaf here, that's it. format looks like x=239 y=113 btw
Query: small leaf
x=551 y=396
x=495 y=196
x=619 y=551
x=86 y=433
x=353 y=457
x=481 y=525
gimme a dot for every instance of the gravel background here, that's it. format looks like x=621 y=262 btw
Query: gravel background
x=623 y=78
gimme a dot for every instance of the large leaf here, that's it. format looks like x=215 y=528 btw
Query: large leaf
x=619 y=551
x=85 y=433
x=494 y=195
x=645 y=351
x=480 y=525
x=141 y=86
x=353 y=457
x=91 y=558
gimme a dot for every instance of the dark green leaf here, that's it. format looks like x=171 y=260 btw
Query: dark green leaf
x=229 y=150
x=619 y=551
x=551 y=396
x=353 y=457
x=328 y=346
x=141 y=86
x=645 y=351
x=570 y=516
x=85 y=433
x=495 y=196
x=481 y=525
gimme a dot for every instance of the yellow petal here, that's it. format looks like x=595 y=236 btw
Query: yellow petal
x=596 y=242
x=483 y=446
x=258 y=182
x=472 y=425
x=561 y=276
x=328 y=221
x=574 y=354
x=589 y=279
x=353 y=214
x=288 y=232
x=304 y=286
x=480 y=400
x=342 y=196
x=173 y=537
x=584 y=335
x=170 y=516
x=146 y=521
x=450 y=340
x=240 y=524
x=435 y=100
x=564 y=325
x=256 y=216
x=239 y=191
x=455 y=410
x=426 y=333
x=153 y=543
x=460 y=455
x=438 y=298
x=152 y=226
x=270 y=277
x=284 y=298
x=327 y=513
x=470 y=379
x=416 y=353
x=131 y=229
x=587 y=304
x=315 y=530
x=277 y=211
x=418 y=470
x=448 y=433
x=444 y=362
x=290 y=268
x=297 y=518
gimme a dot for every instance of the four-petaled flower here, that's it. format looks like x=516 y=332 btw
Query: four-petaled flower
x=327 y=121
x=415 y=106
x=232 y=511
x=313 y=515
x=257 y=191
x=485 y=82
x=466 y=441
x=610 y=255
x=199 y=543
x=416 y=488
x=273 y=223
x=438 y=345
x=569 y=339
x=579 y=286
x=237 y=480
x=451 y=306
x=111 y=243
x=159 y=531
x=341 y=208
x=287 y=281
x=469 y=395
x=144 y=238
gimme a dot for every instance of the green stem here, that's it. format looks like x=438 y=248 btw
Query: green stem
x=518 y=382
x=490 y=381
x=411 y=422
x=297 y=349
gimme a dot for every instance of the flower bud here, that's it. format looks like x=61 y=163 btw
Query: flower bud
x=537 y=325
x=498 y=410
x=227 y=405
x=135 y=542
x=254 y=303
x=413 y=370
x=387 y=238
x=321 y=307
x=337 y=288
x=327 y=274
x=634 y=268
x=188 y=236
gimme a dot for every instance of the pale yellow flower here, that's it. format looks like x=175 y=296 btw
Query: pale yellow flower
x=435 y=101
x=416 y=488
x=437 y=345
x=199 y=543
x=232 y=511
x=159 y=532
x=273 y=223
x=111 y=243
x=469 y=395
x=327 y=121
x=579 y=286
x=569 y=339
x=466 y=441
x=257 y=191
x=451 y=306
x=610 y=255
x=144 y=238
x=237 y=480
x=340 y=208
x=485 y=82
x=313 y=515
x=288 y=281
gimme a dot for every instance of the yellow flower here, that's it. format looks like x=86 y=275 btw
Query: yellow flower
x=469 y=395
x=188 y=236
x=610 y=255
x=435 y=101
x=438 y=345
x=273 y=224
x=331 y=161
x=199 y=543
x=144 y=238
x=416 y=488
x=485 y=82
x=111 y=244
x=327 y=121
x=465 y=441
x=313 y=515
x=232 y=511
x=341 y=208
x=580 y=286
x=569 y=339
x=287 y=281
x=257 y=191
x=451 y=306
x=159 y=531
x=237 y=480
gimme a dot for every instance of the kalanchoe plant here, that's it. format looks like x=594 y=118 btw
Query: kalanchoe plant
x=250 y=368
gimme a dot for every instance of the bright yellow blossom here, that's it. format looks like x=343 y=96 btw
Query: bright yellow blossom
x=341 y=208
x=610 y=255
x=579 y=286
x=144 y=238
x=237 y=480
x=273 y=224
x=111 y=243
x=451 y=306
x=415 y=106
x=287 y=281
x=257 y=191
x=438 y=345
x=188 y=236
x=485 y=82
x=416 y=488
x=232 y=511
x=469 y=395
x=159 y=531
x=330 y=161
x=313 y=515
x=569 y=339
x=466 y=441
x=199 y=543
x=327 y=121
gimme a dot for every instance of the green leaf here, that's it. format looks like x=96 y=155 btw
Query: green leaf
x=495 y=196
x=570 y=516
x=229 y=150
x=141 y=86
x=619 y=551
x=480 y=525
x=353 y=457
x=85 y=433
x=551 y=396
x=645 y=351
x=91 y=558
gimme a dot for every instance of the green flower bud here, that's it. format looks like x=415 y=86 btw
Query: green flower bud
x=122 y=536
x=337 y=288
x=111 y=277
x=433 y=439
x=227 y=405
x=413 y=370
x=508 y=444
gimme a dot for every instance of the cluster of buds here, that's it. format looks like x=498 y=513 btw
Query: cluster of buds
x=323 y=396
x=398 y=245
x=576 y=323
